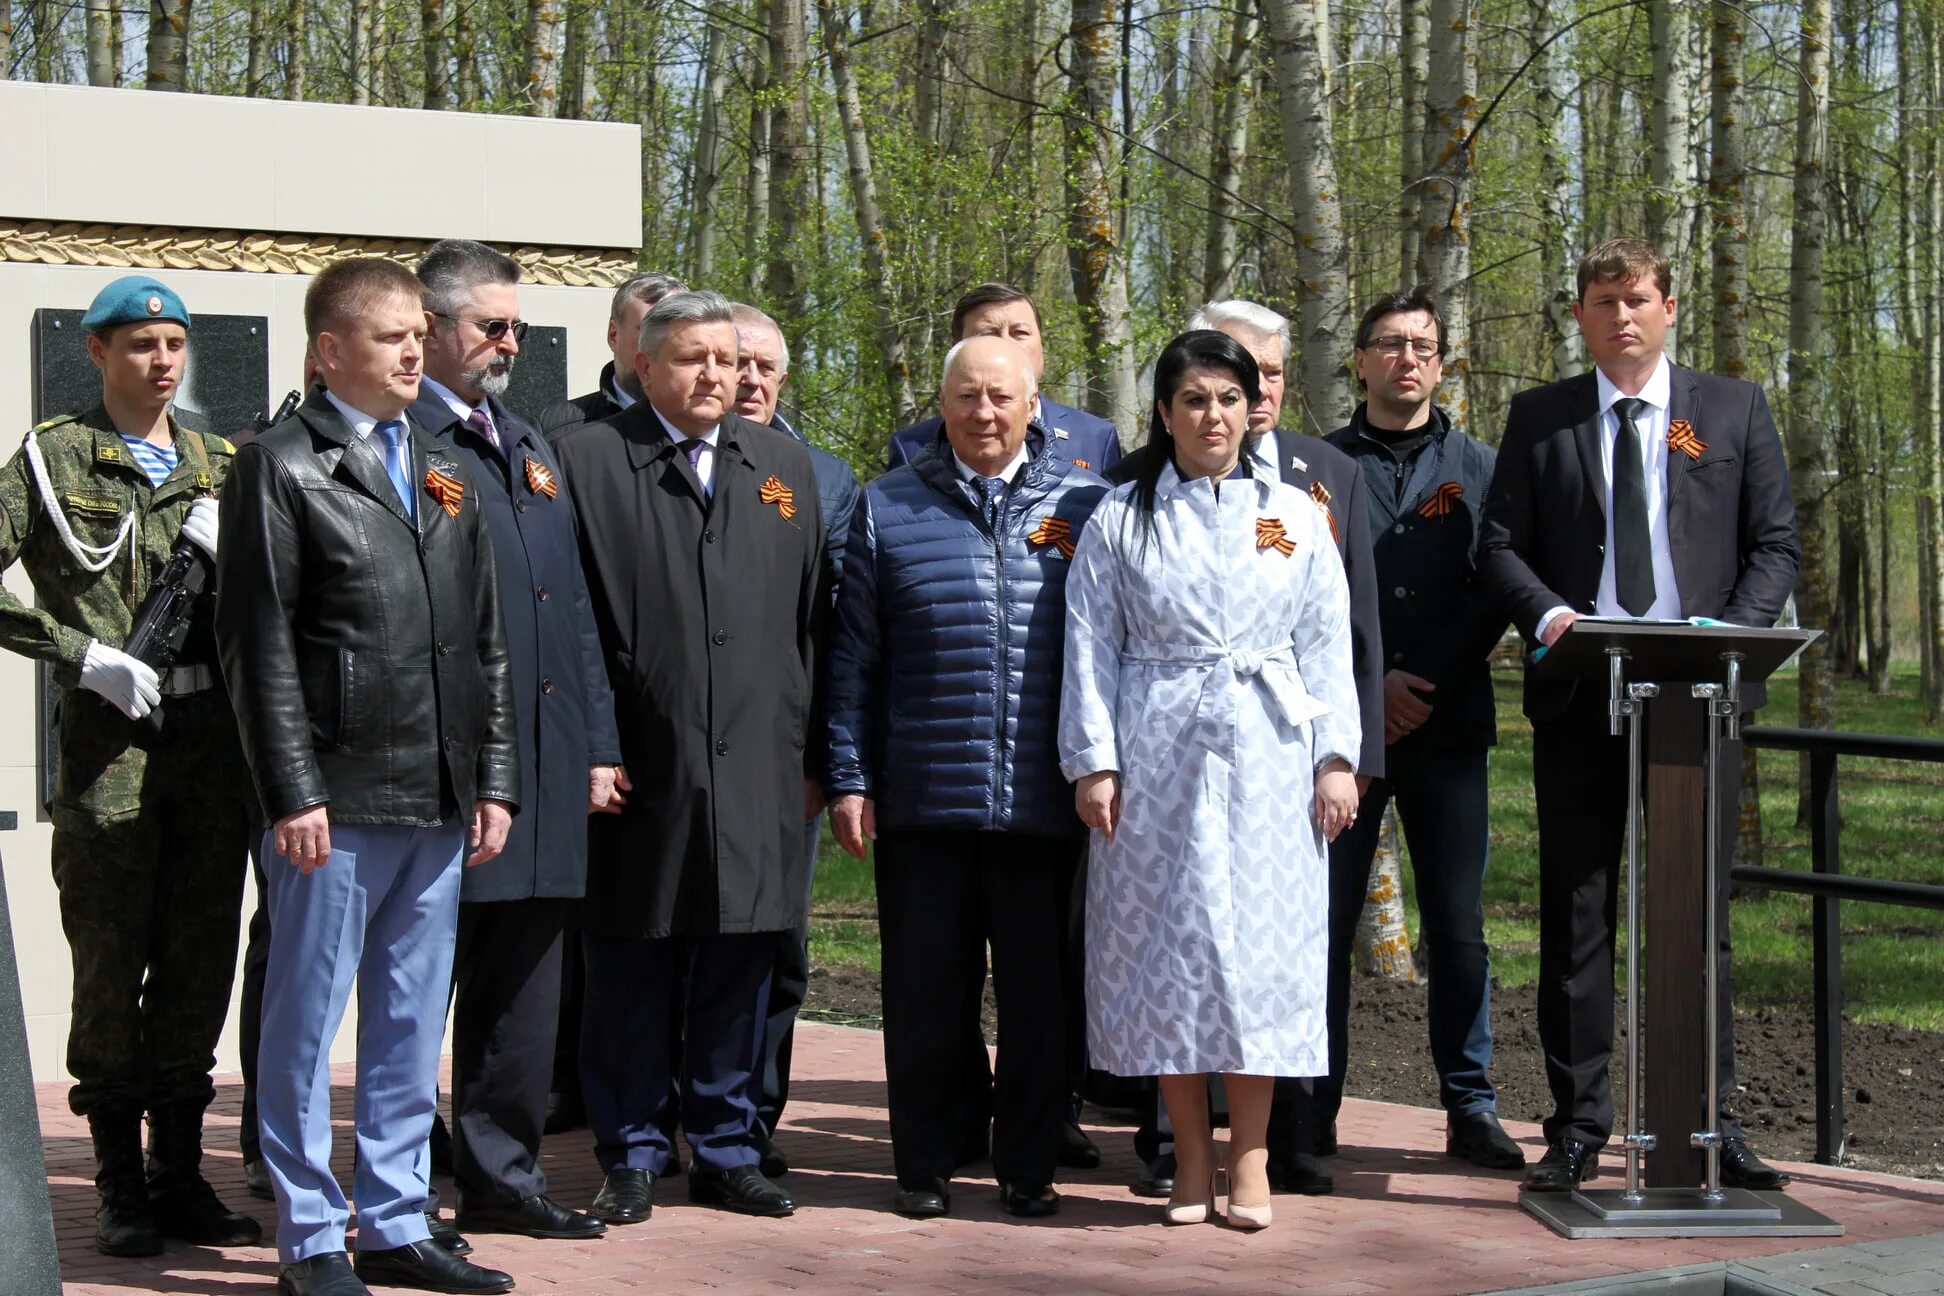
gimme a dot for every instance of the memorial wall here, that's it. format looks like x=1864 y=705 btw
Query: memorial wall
x=227 y=202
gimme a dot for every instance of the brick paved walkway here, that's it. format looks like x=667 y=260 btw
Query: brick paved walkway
x=1404 y=1218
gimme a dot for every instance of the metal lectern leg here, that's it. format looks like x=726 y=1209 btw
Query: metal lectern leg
x=1722 y=700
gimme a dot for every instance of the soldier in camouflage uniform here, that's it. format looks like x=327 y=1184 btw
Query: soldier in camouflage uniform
x=151 y=823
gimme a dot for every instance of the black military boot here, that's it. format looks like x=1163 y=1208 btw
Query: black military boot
x=185 y=1207
x=124 y=1225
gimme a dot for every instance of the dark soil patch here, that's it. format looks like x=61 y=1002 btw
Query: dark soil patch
x=1893 y=1078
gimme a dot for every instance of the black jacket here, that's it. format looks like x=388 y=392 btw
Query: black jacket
x=1438 y=621
x=708 y=608
x=561 y=702
x=365 y=654
x=595 y=405
x=1730 y=516
x=1333 y=480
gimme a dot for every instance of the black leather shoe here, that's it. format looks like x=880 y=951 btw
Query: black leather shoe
x=1302 y=1173
x=741 y=1189
x=1029 y=1200
x=329 y=1274
x=534 y=1217
x=187 y=1209
x=774 y=1164
x=1481 y=1140
x=256 y=1180
x=1325 y=1141
x=564 y=1112
x=1568 y=1163
x=430 y=1267
x=1077 y=1151
x=1156 y=1178
x=446 y=1234
x=924 y=1199
x=627 y=1197
x=1741 y=1168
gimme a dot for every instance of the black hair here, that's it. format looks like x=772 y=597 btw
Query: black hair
x=1195 y=349
x=1409 y=301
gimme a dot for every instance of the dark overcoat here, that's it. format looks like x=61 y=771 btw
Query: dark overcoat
x=708 y=607
x=561 y=703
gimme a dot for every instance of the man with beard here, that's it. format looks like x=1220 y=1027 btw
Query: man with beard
x=506 y=964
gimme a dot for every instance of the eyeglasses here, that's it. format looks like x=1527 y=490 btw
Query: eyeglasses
x=1392 y=347
x=494 y=329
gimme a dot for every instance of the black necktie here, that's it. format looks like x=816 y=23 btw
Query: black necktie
x=1633 y=547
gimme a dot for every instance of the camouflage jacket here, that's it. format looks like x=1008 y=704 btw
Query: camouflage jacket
x=97 y=484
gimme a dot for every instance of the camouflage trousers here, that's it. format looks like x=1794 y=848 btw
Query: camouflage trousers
x=150 y=904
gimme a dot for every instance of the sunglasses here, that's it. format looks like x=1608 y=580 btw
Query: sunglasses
x=494 y=329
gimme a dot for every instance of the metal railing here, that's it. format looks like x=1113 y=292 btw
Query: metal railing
x=1827 y=887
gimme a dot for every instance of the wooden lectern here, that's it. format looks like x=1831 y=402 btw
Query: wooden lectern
x=1674 y=690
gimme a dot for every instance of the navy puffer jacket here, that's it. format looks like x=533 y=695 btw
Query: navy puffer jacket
x=946 y=650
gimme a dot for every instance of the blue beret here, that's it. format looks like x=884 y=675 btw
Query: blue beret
x=134 y=299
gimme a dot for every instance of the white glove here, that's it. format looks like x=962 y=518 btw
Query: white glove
x=200 y=526
x=126 y=681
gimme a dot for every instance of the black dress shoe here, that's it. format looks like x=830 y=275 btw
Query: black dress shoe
x=627 y=1197
x=1156 y=1178
x=534 y=1217
x=924 y=1199
x=446 y=1234
x=1481 y=1140
x=741 y=1189
x=774 y=1164
x=564 y=1112
x=256 y=1180
x=1741 y=1168
x=430 y=1267
x=329 y=1274
x=1568 y=1163
x=1029 y=1200
x=1077 y=1151
x=1302 y=1173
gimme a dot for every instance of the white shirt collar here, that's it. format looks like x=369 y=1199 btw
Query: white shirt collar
x=1658 y=392
x=1006 y=474
x=678 y=436
x=361 y=423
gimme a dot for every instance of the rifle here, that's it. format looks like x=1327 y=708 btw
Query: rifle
x=162 y=622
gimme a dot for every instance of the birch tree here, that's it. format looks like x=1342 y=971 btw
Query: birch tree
x=541 y=46
x=1559 y=228
x=1233 y=99
x=168 y=43
x=1414 y=21
x=1451 y=112
x=1096 y=259
x=1669 y=158
x=297 y=54
x=101 y=17
x=1322 y=288
x=358 y=73
x=432 y=23
x=708 y=158
x=789 y=65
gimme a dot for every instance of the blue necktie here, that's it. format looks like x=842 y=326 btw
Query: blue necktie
x=994 y=489
x=398 y=463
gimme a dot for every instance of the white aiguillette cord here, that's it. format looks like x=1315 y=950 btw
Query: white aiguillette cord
x=91 y=557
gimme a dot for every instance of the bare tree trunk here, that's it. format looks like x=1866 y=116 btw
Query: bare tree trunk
x=928 y=92
x=1728 y=192
x=540 y=45
x=374 y=63
x=1414 y=16
x=1559 y=233
x=1807 y=438
x=870 y=222
x=1233 y=97
x=6 y=40
x=708 y=158
x=297 y=64
x=756 y=212
x=359 y=72
x=1880 y=640
x=1451 y=111
x=1383 y=943
x=1096 y=259
x=1930 y=516
x=573 y=61
x=101 y=19
x=789 y=147
x=1669 y=162
x=465 y=72
x=168 y=45
x=432 y=40
x=47 y=37
x=256 y=62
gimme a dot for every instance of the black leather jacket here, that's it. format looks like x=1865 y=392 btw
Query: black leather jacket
x=365 y=656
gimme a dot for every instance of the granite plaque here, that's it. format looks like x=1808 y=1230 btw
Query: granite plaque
x=540 y=372
x=225 y=385
x=27 y=1254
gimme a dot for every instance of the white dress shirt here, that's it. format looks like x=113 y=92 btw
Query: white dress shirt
x=1651 y=424
x=362 y=423
x=705 y=464
x=1267 y=452
x=459 y=406
x=1006 y=474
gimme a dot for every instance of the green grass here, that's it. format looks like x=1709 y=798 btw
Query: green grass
x=1893 y=958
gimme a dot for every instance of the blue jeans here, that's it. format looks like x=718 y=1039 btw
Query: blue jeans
x=1441 y=806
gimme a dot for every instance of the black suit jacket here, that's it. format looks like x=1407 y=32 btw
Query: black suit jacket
x=597 y=404
x=1333 y=479
x=1730 y=516
x=708 y=608
x=561 y=701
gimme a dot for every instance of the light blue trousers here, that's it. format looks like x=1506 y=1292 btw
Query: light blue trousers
x=384 y=910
